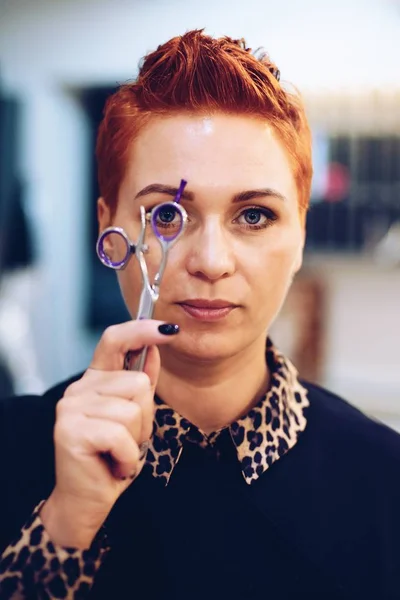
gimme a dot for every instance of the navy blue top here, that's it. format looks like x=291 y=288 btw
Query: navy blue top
x=322 y=522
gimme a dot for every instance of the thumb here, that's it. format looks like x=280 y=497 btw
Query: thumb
x=132 y=336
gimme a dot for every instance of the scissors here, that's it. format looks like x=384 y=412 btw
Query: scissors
x=115 y=249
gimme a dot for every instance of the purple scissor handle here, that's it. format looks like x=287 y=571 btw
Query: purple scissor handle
x=114 y=249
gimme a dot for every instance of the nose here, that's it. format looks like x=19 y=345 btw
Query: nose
x=211 y=253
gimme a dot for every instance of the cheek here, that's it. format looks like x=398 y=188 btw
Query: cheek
x=130 y=283
x=175 y=268
x=280 y=244
x=271 y=264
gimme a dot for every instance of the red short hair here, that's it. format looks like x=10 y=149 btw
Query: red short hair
x=195 y=72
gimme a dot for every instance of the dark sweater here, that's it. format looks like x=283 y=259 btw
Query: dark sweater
x=323 y=522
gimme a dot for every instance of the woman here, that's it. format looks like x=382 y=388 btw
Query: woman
x=254 y=483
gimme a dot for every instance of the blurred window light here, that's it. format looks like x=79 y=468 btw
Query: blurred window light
x=355 y=195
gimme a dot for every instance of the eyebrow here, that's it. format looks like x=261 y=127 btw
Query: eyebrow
x=160 y=188
x=262 y=193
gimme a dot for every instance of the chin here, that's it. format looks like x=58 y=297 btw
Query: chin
x=210 y=342
x=206 y=346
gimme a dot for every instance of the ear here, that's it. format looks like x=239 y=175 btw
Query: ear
x=103 y=214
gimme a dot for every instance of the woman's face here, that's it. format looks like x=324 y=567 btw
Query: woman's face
x=244 y=238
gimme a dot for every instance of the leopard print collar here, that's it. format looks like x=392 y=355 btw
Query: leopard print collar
x=267 y=432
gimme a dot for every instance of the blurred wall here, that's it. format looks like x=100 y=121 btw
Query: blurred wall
x=49 y=50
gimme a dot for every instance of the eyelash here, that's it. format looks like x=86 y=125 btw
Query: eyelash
x=269 y=215
x=266 y=212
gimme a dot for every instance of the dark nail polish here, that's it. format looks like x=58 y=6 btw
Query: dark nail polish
x=168 y=329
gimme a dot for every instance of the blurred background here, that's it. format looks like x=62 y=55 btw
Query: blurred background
x=58 y=62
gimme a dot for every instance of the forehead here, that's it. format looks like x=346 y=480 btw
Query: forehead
x=220 y=150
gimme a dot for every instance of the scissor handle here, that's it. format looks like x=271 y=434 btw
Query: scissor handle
x=137 y=363
x=106 y=235
x=150 y=292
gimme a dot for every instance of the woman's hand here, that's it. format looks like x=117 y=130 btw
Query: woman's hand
x=102 y=421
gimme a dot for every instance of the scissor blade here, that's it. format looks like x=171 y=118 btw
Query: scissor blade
x=145 y=311
x=146 y=305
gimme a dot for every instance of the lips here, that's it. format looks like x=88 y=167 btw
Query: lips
x=210 y=304
x=207 y=310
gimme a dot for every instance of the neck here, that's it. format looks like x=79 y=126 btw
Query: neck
x=214 y=394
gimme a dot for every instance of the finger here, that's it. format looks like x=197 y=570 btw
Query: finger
x=146 y=399
x=117 y=410
x=117 y=340
x=125 y=384
x=99 y=386
x=113 y=439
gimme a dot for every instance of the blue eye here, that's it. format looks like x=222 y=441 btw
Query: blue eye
x=166 y=215
x=252 y=216
x=256 y=217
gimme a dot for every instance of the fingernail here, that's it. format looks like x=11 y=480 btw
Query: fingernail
x=168 y=329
